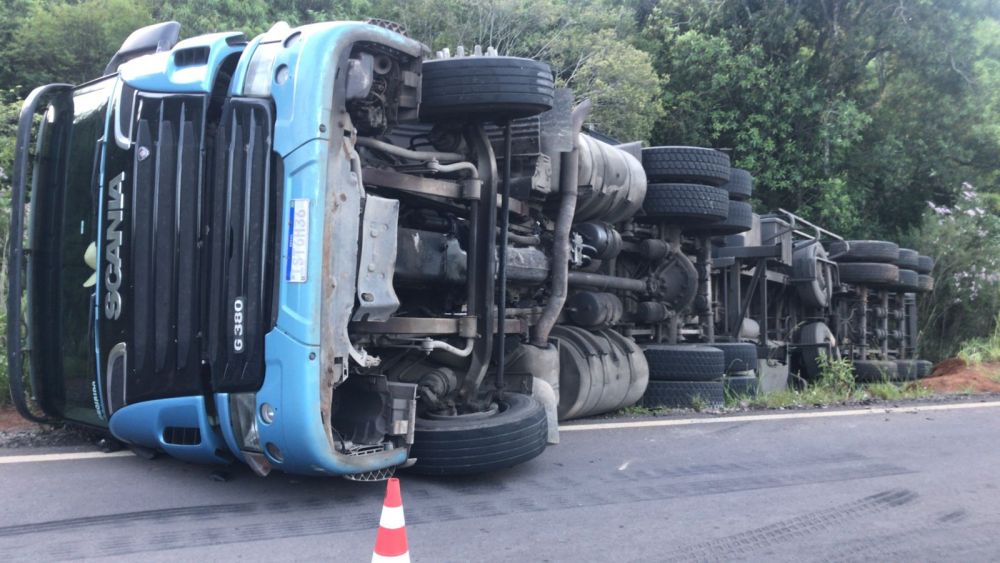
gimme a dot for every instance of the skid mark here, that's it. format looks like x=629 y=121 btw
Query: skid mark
x=743 y=544
x=322 y=518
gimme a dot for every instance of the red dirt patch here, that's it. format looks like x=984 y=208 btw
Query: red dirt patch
x=10 y=420
x=955 y=376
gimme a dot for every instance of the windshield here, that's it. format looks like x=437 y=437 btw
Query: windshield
x=63 y=212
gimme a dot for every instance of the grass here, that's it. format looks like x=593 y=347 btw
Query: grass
x=698 y=403
x=836 y=385
x=981 y=350
x=639 y=410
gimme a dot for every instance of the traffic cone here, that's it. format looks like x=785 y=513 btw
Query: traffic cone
x=390 y=543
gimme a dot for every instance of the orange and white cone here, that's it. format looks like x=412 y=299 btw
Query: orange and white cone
x=390 y=543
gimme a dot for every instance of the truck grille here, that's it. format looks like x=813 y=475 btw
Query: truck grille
x=243 y=246
x=164 y=356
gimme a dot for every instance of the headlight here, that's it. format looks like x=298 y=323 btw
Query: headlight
x=261 y=70
x=243 y=415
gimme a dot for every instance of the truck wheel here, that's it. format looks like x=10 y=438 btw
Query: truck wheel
x=697 y=165
x=925 y=283
x=810 y=337
x=907 y=370
x=924 y=368
x=684 y=394
x=869 y=273
x=687 y=204
x=494 y=88
x=738 y=356
x=813 y=279
x=740 y=184
x=741 y=384
x=875 y=371
x=685 y=362
x=865 y=251
x=908 y=281
x=739 y=219
x=925 y=264
x=516 y=432
x=908 y=259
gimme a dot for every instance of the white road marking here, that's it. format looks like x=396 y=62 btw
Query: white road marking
x=61 y=457
x=767 y=417
x=35 y=458
x=624 y=466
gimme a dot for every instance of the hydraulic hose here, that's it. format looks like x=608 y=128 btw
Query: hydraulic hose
x=423 y=156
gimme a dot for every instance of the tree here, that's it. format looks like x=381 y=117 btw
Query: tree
x=853 y=112
x=965 y=240
x=63 y=42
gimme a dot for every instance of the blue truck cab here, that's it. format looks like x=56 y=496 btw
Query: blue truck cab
x=200 y=185
x=325 y=252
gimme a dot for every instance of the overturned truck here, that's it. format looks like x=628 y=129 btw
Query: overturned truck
x=324 y=251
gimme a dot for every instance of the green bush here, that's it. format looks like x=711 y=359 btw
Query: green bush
x=964 y=239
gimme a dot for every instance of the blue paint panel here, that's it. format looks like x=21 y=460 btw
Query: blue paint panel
x=299 y=303
x=292 y=387
x=303 y=102
x=158 y=73
x=142 y=424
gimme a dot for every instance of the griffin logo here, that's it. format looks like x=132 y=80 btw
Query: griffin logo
x=113 y=248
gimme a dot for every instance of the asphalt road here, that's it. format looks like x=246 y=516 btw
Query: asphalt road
x=902 y=486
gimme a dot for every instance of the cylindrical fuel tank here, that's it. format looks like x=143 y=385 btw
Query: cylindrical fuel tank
x=599 y=371
x=612 y=183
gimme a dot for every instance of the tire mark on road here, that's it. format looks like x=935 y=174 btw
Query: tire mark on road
x=746 y=543
x=925 y=543
x=240 y=528
x=422 y=489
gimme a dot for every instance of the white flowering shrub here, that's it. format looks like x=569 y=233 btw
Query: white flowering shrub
x=964 y=239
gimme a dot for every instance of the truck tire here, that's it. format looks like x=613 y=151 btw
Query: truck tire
x=813 y=278
x=684 y=394
x=907 y=370
x=687 y=204
x=865 y=251
x=869 y=273
x=924 y=368
x=740 y=184
x=908 y=281
x=925 y=283
x=925 y=264
x=738 y=356
x=908 y=259
x=739 y=219
x=467 y=445
x=741 y=384
x=809 y=338
x=696 y=165
x=875 y=371
x=488 y=88
x=685 y=362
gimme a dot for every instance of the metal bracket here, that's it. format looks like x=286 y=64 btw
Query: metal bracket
x=377 y=299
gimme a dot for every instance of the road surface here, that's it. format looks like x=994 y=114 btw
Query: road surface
x=914 y=486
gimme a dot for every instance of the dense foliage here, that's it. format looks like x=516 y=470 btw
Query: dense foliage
x=855 y=113
x=965 y=304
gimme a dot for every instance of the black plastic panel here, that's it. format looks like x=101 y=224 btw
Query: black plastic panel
x=163 y=190
x=242 y=259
